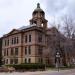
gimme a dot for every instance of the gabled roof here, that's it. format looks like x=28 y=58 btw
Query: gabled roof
x=12 y=32
x=25 y=27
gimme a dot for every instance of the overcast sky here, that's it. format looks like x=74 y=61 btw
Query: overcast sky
x=16 y=13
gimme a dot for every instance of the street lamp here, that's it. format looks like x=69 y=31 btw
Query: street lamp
x=57 y=60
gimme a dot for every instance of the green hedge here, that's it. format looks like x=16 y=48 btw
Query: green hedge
x=50 y=66
x=27 y=66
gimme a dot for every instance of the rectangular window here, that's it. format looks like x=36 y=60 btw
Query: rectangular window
x=8 y=42
x=29 y=38
x=25 y=50
x=39 y=38
x=16 y=51
x=12 y=51
x=17 y=40
x=40 y=50
x=12 y=41
x=6 y=61
x=29 y=60
x=29 y=49
x=7 y=52
x=25 y=60
x=11 y=61
x=25 y=38
x=4 y=52
x=40 y=60
x=16 y=61
x=5 y=42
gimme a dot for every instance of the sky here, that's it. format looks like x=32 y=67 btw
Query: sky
x=17 y=13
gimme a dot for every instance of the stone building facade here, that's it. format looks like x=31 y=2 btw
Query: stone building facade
x=26 y=44
x=35 y=43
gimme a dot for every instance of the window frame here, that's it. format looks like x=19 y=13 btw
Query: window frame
x=25 y=60
x=26 y=50
x=29 y=60
x=29 y=49
x=26 y=39
x=30 y=37
x=16 y=51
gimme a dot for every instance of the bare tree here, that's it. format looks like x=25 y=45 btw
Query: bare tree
x=69 y=31
x=66 y=49
x=69 y=26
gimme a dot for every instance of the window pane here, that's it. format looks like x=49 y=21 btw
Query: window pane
x=6 y=61
x=17 y=40
x=16 y=51
x=40 y=60
x=5 y=42
x=40 y=38
x=29 y=38
x=29 y=60
x=25 y=60
x=29 y=49
x=4 y=52
x=12 y=51
x=11 y=61
x=8 y=42
x=40 y=50
x=7 y=52
x=16 y=61
x=26 y=39
x=12 y=41
x=25 y=50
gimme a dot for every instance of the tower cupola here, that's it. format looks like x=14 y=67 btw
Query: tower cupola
x=38 y=17
x=38 y=9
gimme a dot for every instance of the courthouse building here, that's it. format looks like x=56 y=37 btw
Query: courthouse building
x=32 y=43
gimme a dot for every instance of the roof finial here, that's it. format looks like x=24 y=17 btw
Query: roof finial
x=38 y=5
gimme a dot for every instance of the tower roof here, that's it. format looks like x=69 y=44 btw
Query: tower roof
x=38 y=9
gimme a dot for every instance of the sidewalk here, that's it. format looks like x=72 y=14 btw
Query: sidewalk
x=48 y=72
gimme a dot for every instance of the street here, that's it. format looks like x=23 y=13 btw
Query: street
x=49 y=72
